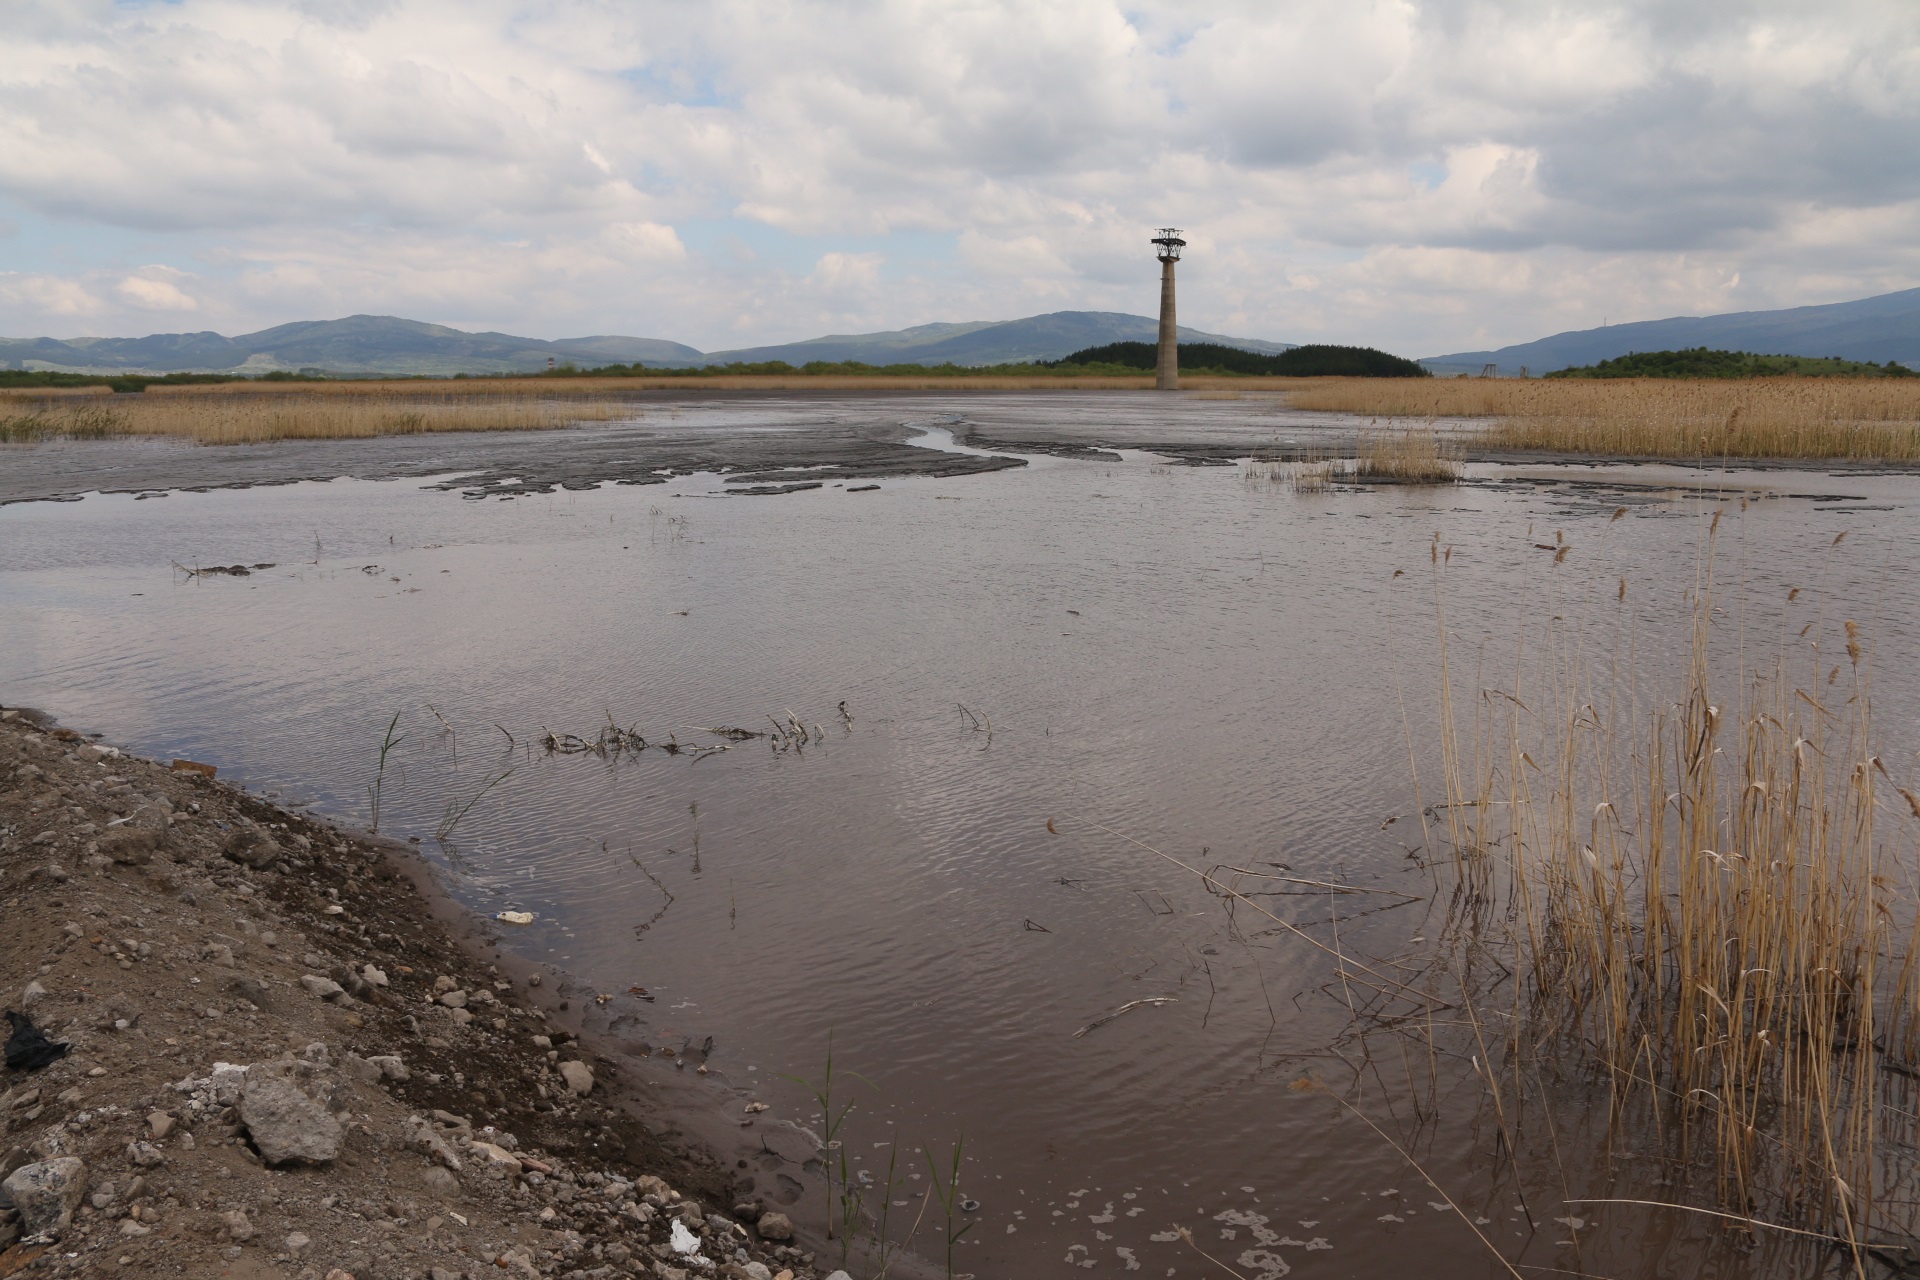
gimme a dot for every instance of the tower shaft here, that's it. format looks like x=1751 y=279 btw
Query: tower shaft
x=1167 y=371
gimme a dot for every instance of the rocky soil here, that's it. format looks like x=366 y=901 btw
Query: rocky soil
x=284 y=1063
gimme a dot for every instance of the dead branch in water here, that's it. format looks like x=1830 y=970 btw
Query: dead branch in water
x=1124 y=1009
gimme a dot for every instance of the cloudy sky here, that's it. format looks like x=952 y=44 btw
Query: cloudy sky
x=1422 y=175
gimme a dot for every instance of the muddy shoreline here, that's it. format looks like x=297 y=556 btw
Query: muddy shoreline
x=161 y=922
x=764 y=443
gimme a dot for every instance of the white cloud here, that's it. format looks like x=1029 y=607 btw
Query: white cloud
x=47 y=295
x=1394 y=171
x=155 y=290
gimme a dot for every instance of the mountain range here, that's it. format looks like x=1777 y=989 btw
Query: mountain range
x=1877 y=329
x=388 y=344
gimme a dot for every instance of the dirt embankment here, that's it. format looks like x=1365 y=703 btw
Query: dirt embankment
x=283 y=1062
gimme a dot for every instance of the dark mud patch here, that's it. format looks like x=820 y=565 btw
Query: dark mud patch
x=785 y=446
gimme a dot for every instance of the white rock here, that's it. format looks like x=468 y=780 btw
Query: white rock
x=499 y=1156
x=578 y=1075
x=227 y=1081
x=325 y=988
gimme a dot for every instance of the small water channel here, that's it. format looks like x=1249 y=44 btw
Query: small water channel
x=1015 y=686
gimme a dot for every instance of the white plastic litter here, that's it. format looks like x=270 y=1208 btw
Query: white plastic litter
x=515 y=917
x=684 y=1241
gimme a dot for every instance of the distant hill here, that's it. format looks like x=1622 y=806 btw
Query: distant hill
x=389 y=344
x=354 y=345
x=1048 y=337
x=1700 y=362
x=1315 y=360
x=1872 y=330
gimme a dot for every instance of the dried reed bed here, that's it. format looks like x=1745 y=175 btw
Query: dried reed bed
x=1699 y=903
x=1412 y=456
x=228 y=416
x=1863 y=419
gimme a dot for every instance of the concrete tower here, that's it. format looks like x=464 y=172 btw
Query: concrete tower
x=1167 y=375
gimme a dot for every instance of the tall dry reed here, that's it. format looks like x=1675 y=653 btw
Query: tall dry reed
x=1412 y=455
x=223 y=416
x=1865 y=419
x=1698 y=901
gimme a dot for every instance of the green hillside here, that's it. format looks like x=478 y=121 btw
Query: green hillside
x=1700 y=362
x=1317 y=360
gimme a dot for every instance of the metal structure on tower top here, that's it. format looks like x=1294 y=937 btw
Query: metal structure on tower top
x=1167 y=366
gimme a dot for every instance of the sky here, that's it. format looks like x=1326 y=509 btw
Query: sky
x=1425 y=176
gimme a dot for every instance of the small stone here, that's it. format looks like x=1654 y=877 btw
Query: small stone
x=129 y=1227
x=32 y=994
x=227 y=1081
x=454 y=999
x=578 y=1075
x=391 y=1067
x=460 y=1016
x=373 y=977
x=775 y=1226
x=533 y=979
x=441 y=1183
x=499 y=1156
x=238 y=1226
x=338 y=1274
x=296 y=1241
x=325 y=988
x=161 y=1123
x=145 y=1155
x=285 y=1123
x=73 y=930
x=129 y=846
x=253 y=848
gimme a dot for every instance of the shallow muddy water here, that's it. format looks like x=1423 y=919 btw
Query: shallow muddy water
x=1039 y=667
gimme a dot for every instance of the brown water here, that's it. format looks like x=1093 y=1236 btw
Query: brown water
x=1223 y=670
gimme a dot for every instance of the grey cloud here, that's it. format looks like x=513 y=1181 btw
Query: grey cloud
x=1589 y=140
